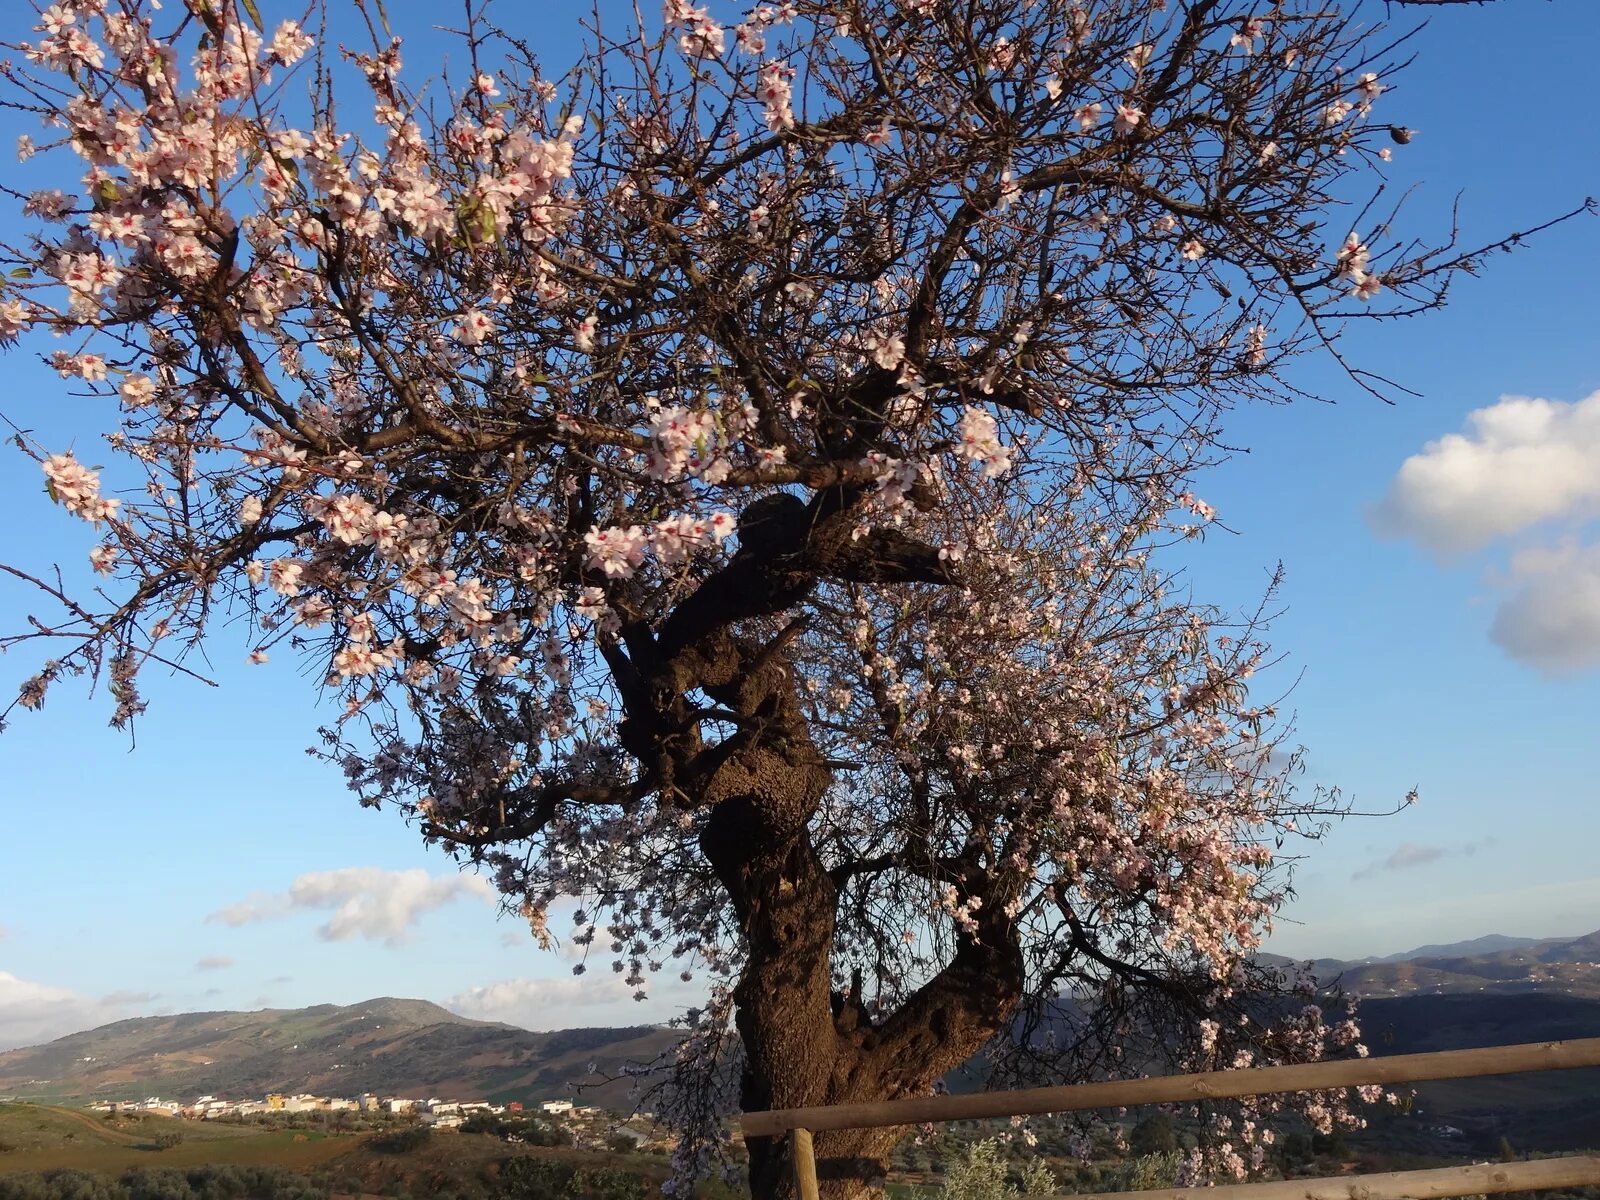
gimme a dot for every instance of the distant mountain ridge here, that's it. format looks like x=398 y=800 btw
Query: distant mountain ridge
x=1481 y=992
x=385 y=1045
x=1494 y=963
x=1489 y=943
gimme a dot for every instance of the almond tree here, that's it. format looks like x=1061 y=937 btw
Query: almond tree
x=725 y=485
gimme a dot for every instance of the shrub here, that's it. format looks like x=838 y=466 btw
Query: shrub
x=533 y=1179
x=607 y=1183
x=1154 y=1134
x=982 y=1175
x=403 y=1141
x=1159 y=1170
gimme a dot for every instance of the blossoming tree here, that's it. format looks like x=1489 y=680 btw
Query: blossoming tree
x=724 y=484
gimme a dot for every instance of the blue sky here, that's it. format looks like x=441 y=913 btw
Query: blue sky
x=114 y=858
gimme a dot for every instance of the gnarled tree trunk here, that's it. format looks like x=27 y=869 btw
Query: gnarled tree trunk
x=805 y=1042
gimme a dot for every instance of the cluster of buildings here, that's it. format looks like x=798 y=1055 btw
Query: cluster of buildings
x=441 y=1114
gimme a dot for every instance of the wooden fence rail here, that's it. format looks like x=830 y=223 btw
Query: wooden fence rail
x=800 y=1123
x=1169 y=1089
x=1478 y=1179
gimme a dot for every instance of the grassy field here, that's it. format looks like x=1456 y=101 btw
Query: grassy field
x=41 y=1137
x=38 y=1138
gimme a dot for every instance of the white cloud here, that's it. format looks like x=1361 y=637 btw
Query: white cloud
x=1521 y=462
x=1552 y=620
x=214 y=962
x=32 y=1012
x=563 y=1003
x=513 y=1000
x=367 y=902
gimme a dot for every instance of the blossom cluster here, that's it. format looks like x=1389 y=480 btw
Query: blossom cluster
x=77 y=488
x=618 y=552
x=979 y=442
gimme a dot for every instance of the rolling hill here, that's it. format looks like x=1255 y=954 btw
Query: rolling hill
x=1490 y=964
x=386 y=1046
x=1490 y=991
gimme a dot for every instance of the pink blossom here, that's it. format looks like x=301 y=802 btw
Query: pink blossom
x=888 y=352
x=56 y=19
x=77 y=488
x=14 y=318
x=617 y=552
x=774 y=91
x=979 y=442
x=1127 y=119
x=284 y=576
x=475 y=328
x=50 y=205
x=878 y=135
x=705 y=38
x=313 y=612
x=1352 y=259
x=1250 y=32
x=289 y=43
x=1256 y=345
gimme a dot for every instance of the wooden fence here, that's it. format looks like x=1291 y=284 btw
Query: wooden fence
x=1576 y=1171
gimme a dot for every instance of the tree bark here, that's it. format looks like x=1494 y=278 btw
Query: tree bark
x=804 y=1043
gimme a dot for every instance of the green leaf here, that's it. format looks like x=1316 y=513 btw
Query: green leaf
x=255 y=13
x=383 y=18
x=21 y=273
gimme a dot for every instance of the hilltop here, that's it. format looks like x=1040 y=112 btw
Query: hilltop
x=385 y=1045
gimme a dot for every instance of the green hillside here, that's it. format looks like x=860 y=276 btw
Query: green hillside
x=385 y=1046
x=43 y=1138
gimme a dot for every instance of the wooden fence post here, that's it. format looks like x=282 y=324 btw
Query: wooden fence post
x=805 y=1163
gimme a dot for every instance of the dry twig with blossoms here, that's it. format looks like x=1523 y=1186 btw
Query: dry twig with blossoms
x=725 y=484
